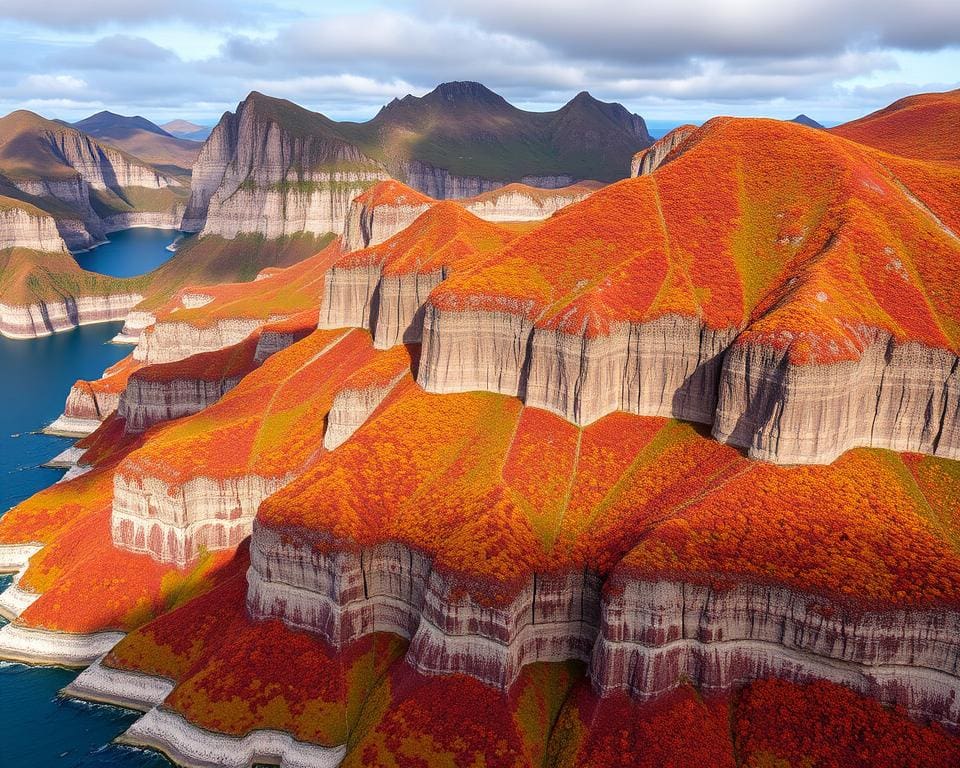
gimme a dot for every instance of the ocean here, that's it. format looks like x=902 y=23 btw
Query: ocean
x=37 y=727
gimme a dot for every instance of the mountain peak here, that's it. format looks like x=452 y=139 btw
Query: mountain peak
x=802 y=119
x=465 y=91
x=110 y=125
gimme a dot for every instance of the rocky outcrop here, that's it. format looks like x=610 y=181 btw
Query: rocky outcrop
x=43 y=318
x=667 y=367
x=133 y=325
x=517 y=202
x=645 y=636
x=173 y=523
x=169 y=219
x=20 y=227
x=256 y=173
x=905 y=397
x=190 y=745
x=147 y=402
x=170 y=340
x=657 y=635
x=85 y=410
x=351 y=408
x=649 y=159
x=15 y=558
x=105 y=684
x=344 y=595
x=370 y=220
x=39 y=646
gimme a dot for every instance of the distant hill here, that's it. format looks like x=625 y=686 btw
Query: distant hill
x=140 y=137
x=184 y=129
x=925 y=126
x=802 y=119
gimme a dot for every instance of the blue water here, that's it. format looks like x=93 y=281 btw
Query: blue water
x=37 y=728
x=130 y=252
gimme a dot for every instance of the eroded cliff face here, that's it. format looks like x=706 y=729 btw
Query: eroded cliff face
x=644 y=636
x=173 y=524
x=440 y=184
x=169 y=341
x=26 y=229
x=254 y=175
x=145 y=403
x=99 y=168
x=649 y=159
x=351 y=408
x=45 y=318
x=344 y=595
x=905 y=397
x=516 y=202
x=368 y=225
x=657 y=634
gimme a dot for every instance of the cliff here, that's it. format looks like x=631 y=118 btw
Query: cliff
x=274 y=168
x=649 y=159
x=524 y=202
x=89 y=188
x=26 y=226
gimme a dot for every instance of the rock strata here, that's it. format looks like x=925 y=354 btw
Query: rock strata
x=649 y=159
x=47 y=317
x=29 y=228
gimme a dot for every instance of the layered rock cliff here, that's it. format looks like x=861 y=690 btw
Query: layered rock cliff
x=273 y=168
x=669 y=147
x=522 y=202
x=46 y=317
x=28 y=227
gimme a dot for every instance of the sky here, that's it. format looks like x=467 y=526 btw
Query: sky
x=671 y=62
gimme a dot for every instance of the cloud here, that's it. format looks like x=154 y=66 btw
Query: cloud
x=196 y=58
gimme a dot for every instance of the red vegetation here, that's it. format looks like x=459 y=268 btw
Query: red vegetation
x=780 y=725
x=923 y=126
x=392 y=193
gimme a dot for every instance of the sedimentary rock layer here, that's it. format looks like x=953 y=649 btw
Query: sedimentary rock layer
x=145 y=403
x=653 y=634
x=657 y=634
x=193 y=746
x=345 y=595
x=44 y=318
x=518 y=202
x=649 y=159
x=351 y=408
x=173 y=524
x=905 y=397
x=133 y=325
x=29 y=229
x=371 y=221
x=668 y=367
x=38 y=646
x=169 y=341
x=133 y=690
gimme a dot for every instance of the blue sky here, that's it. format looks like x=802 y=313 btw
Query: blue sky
x=670 y=62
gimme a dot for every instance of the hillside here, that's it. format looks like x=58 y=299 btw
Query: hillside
x=668 y=476
x=184 y=129
x=923 y=126
x=87 y=187
x=139 y=137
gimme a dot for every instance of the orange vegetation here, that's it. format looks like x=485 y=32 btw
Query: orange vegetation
x=444 y=236
x=924 y=126
x=275 y=295
x=392 y=193
x=494 y=491
x=802 y=238
x=235 y=674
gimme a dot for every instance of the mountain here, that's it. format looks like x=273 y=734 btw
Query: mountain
x=922 y=126
x=184 y=129
x=669 y=477
x=89 y=188
x=802 y=119
x=462 y=130
x=141 y=138
x=459 y=140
